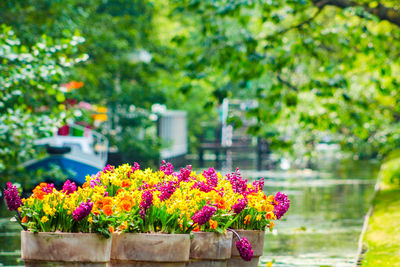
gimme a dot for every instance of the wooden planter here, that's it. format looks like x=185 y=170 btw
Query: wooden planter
x=256 y=239
x=64 y=249
x=210 y=249
x=160 y=250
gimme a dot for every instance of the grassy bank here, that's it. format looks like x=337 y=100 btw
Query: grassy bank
x=382 y=239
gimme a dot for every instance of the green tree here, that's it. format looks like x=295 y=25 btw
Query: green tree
x=32 y=103
x=318 y=68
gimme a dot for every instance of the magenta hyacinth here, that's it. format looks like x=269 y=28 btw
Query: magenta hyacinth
x=204 y=215
x=211 y=176
x=184 y=175
x=282 y=206
x=167 y=189
x=239 y=205
x=82 y=211
x=12 y=197
x=239 y=185
x=147 y=200
x=167 y=168
x=69 y=187
x=108 y=168
x=245 y=250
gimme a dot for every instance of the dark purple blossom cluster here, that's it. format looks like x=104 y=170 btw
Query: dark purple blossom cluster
x=166 y=167
x=282 y=206
x=211 y=176
x=69 y=187
x=239 y=185
x=239 y=205
x=82 y=211
x=184 y=175
x=12 y=197
x=245 y=250
x=204 y=215
x=147 y=201
x=167 y=189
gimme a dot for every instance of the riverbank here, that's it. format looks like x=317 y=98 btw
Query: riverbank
x=382 y=238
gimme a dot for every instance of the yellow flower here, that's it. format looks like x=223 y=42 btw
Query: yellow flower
x=49 y=210
x=90 y=219
x=44 y=219
x=258 y=217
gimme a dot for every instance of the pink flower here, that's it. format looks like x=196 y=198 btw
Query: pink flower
x=12 y=197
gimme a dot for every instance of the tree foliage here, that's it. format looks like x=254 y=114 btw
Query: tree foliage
x=31 y=101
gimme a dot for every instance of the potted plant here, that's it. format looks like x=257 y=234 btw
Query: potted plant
x=62 y=219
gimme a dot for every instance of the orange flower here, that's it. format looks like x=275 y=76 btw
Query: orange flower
x=111 y=229
x=119 y=191
x=247 y=219
x=196 y=229
x=85 y=184
x=213 y=224
x=107 y=201
x=123 y=226
x=126 y=183
x=107 y=209
x=271 y=225
x=24 y=220
x=270 y=215
x=126 y=205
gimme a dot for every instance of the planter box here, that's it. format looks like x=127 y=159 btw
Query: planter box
x=83 y=249
x=150 y=249
x=256 y=239
x=210 y=249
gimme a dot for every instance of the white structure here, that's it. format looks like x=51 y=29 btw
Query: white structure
x=172 y=129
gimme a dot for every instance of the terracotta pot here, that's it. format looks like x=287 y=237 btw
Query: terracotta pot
x=210 y=249
x=64 y=249
x=149 y=249
x=256 y=239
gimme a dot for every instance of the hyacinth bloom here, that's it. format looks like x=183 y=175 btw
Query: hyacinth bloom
x=282 y=206
x=245 y=249
x=204 y=215
x=184 y=175
x=239 y=205
x=82 y=211
x=12 y=197
x=69 y=187
x=167 y=168
x=239 y=185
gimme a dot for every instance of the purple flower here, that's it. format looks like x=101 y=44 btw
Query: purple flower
x=108 y=168
x=82 y=211
x=259 y=184
x=239 y=205
x=167 y=189
x=184 y=175
x=202 y=186
x=245 y=250
x=167 y=168
x=239 y=185
x=95 y=181
x=147 y=200
x=204 y=215
x=282 y=206
x=69 y=187
x=48 y=188
x=12 y=197
x=211 y=176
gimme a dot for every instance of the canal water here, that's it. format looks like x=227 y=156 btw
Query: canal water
x=321 y=228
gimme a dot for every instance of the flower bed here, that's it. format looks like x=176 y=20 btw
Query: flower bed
x=127 y=199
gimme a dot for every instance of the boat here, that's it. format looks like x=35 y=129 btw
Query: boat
x=77 y=150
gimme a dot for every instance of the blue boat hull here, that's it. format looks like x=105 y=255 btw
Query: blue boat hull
x=77 y=171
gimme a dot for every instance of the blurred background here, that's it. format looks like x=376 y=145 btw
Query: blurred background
x=302 y=92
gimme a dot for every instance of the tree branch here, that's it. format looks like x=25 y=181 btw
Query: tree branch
x=384 y=13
